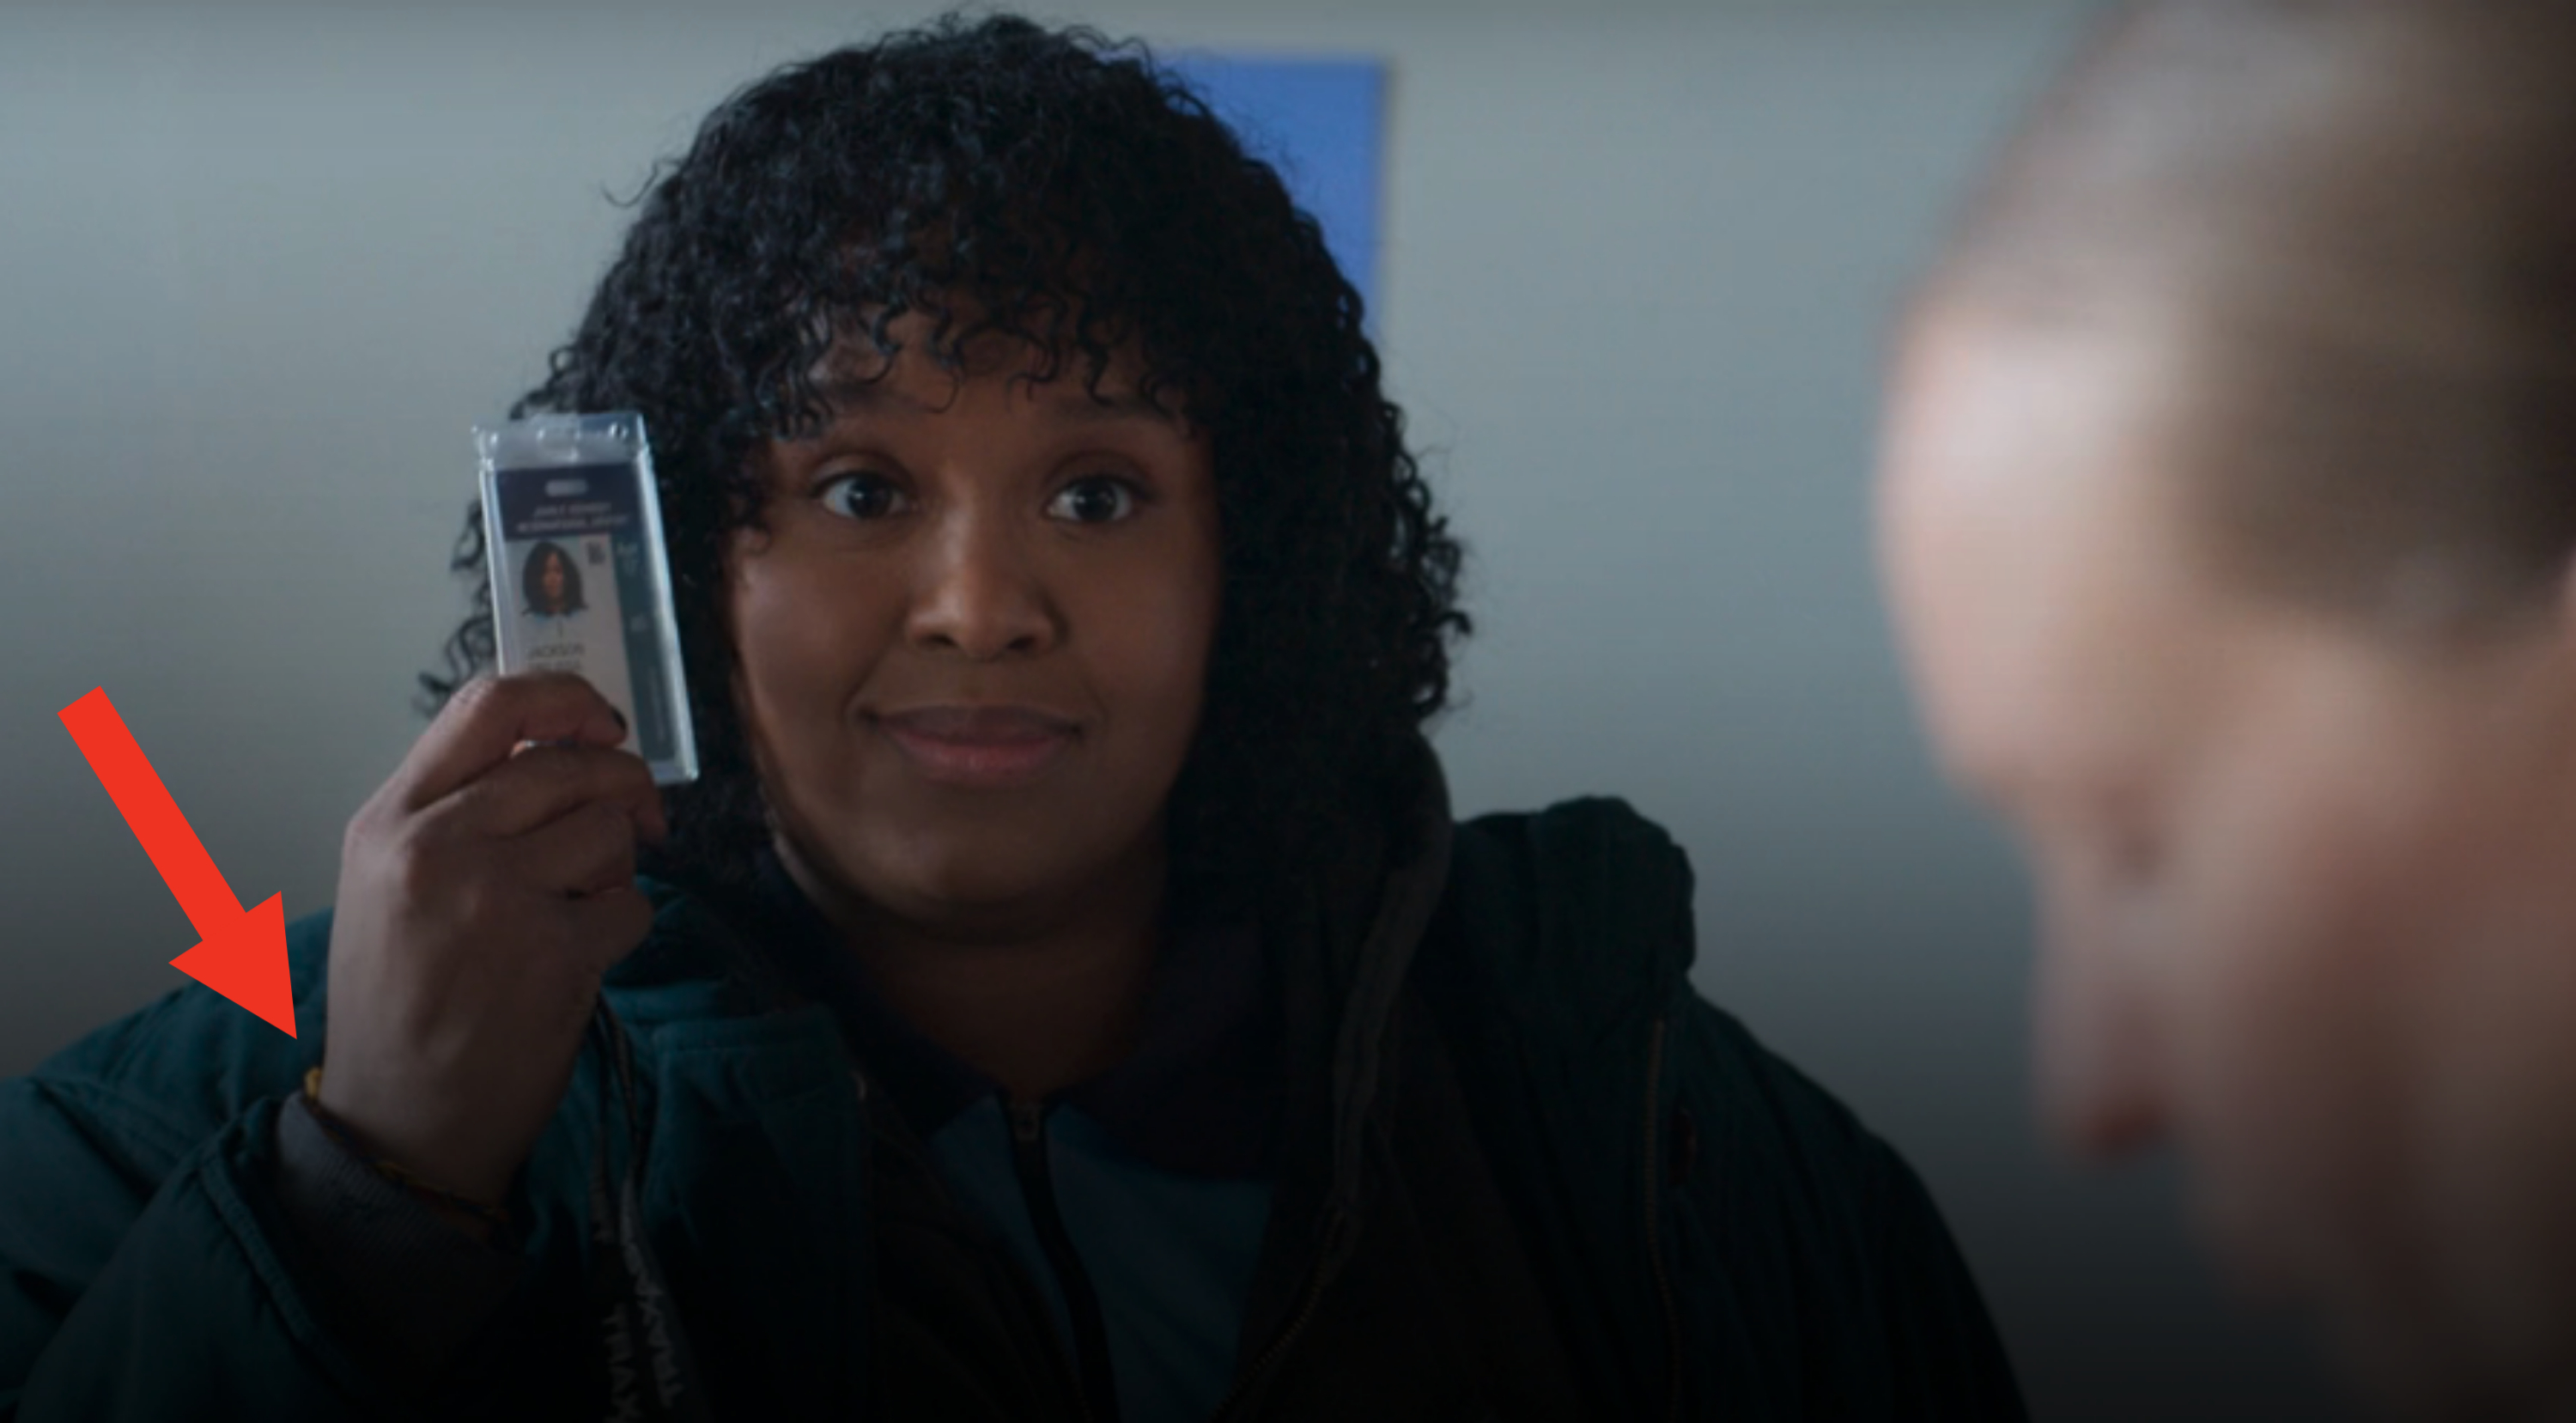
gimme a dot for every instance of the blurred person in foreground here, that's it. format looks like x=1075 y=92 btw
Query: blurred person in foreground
x=2229 y=516
x=1066 y=995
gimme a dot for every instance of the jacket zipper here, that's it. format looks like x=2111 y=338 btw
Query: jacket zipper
x=1097 y=1387
x=1654 y=1225
x=1073 y=1370
x=1313 y=1291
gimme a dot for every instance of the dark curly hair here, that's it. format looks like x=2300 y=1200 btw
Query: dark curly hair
x=997 y=177
x=532 y=581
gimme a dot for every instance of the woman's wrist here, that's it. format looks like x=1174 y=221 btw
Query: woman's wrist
x=484 y=1220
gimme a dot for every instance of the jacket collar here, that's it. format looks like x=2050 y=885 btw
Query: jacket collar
x=1338 y=963
x=1374 y=912
x=1195 y=1097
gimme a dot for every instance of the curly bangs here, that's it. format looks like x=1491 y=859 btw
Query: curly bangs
x=996 y=177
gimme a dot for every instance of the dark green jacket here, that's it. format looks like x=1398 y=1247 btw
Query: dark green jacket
x=1526 y=1173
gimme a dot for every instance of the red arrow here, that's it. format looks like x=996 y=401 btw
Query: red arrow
x=243 y=956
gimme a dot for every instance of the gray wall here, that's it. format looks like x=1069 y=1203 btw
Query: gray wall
x=260 y=269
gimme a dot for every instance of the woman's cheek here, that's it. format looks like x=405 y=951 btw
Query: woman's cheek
x=791 y=663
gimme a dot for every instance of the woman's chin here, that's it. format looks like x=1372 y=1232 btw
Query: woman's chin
x=972 y=885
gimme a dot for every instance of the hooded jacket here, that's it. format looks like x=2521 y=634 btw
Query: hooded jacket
x=1525 y=1171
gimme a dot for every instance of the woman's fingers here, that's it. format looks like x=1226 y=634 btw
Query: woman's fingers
x=491 y=717
x=541 y=785
x=579 y=855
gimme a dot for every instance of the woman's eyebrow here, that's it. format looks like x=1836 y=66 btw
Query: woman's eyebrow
x=850 y=395
x=853 y=395
x=1103 y=409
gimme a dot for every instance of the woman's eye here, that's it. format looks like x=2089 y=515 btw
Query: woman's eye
x=1095 y=500
x=863 y=496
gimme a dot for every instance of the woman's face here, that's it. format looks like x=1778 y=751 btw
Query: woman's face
x=2306 y=901
x=550 y=579
x=974 y=633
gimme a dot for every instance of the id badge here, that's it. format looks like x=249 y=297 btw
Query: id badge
x=581 y=581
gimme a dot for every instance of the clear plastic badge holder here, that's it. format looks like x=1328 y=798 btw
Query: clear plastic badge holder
x=581 y=581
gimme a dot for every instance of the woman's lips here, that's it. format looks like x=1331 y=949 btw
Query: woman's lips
x=978 y=746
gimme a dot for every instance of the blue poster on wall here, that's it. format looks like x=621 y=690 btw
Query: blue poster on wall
x=1322 y=124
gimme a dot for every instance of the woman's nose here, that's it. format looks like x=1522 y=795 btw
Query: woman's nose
x=978 y=591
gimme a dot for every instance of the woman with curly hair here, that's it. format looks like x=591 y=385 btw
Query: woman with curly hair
x=1066 y=993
